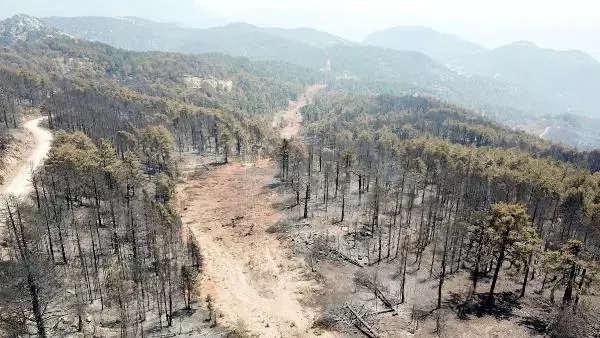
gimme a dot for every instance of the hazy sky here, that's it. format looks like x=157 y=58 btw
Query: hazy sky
x=550 y=23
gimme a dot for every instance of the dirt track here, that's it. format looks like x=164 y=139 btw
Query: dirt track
x=258 y=287
x=18 y=182
x=292 y=117
x=255 y=284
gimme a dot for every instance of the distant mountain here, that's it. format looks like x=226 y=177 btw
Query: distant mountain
x=339 y=64
x=24 y=28
x=189 y=12
x=142 y=35
x=128 y=33
x=570 y=78
x=308 y=36
x=442 y=47
x=342 y=66
x=305 y=47
x=345 y=65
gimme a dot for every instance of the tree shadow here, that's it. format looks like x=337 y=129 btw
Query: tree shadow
x=477 y=305
x=217 y=164
x=282 y=206
x=482 y=277
x=274 y=184
x=536 y=325
x=184 y=312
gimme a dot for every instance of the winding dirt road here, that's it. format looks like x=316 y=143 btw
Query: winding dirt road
x=19 y=183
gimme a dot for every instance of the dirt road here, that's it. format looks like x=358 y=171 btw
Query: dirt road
x=291 y=117
x=19 y=181
x=258 y=286
x=545 y=132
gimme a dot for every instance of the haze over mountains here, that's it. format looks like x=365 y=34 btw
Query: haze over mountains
x=568 y=77
x=187 y=12
x=355 y=66
x=514 y=84
x=441 y=47
x=560 y=25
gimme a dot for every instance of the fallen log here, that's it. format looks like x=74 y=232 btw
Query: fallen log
x=369 y=332
x=347 y=259
x=384 y=299
x=382 y=312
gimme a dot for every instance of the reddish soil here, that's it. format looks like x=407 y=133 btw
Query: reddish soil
x=258 y=286
x=292 y=118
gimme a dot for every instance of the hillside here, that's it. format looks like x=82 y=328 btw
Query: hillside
x=564 y=79
x=143 y=35
x=129 y=33
x=345 y=66
x=308 y=36
x=215 y=81
x=568 y=77
x=113 y=258
x=24 y=28
x=441 y=47
x=352 y=67
x=578 y=131
x=205 y=195
x=422 y=217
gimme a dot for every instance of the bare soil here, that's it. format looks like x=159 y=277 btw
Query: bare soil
x=16 y=153
x=291 y=118
x=257 y=285
x=31 y=145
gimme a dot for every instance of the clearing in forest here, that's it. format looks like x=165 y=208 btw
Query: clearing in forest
x=256 y=284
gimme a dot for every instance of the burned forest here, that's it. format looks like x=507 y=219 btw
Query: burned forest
x=254 y=182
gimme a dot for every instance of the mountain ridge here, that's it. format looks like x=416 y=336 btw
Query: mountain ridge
x=440 y=46
x=345 y=66
x=569 y=77
x=22 y=27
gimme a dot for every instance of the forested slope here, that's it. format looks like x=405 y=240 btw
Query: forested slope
x=165 y=74
x=411 y=195
x=98 y=247
x=353 y=67
x=427 y=117
x=399 y=193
